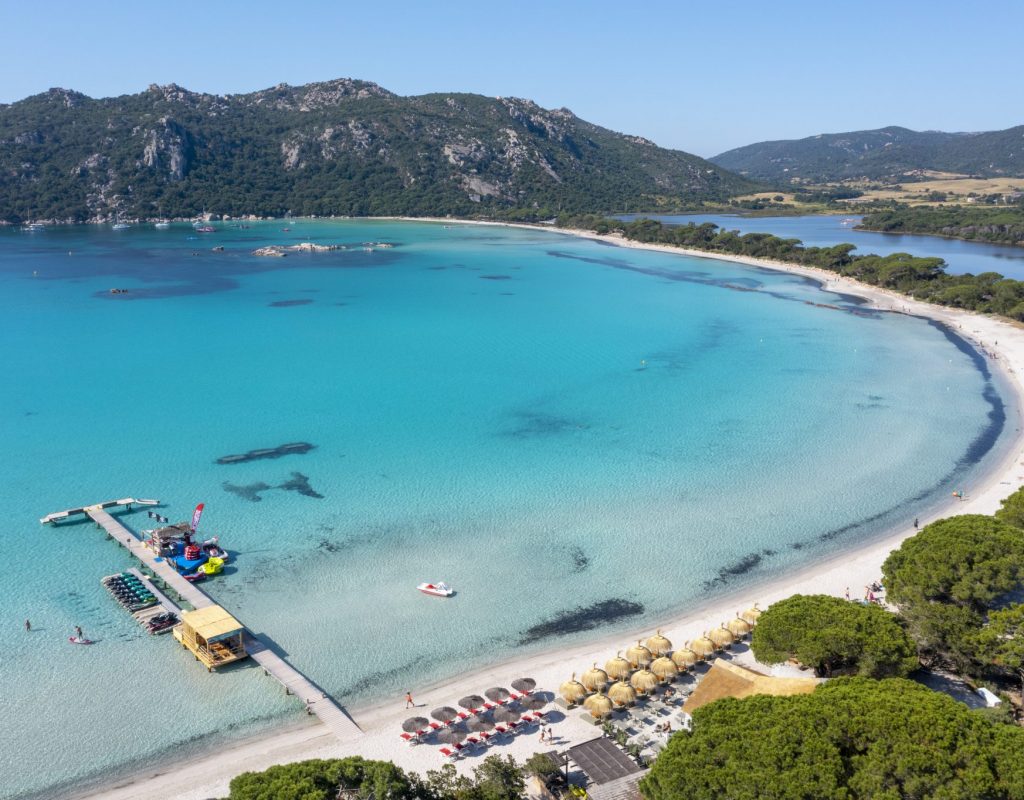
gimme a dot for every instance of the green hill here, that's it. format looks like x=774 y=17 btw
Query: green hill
x=884 y=154
x=337 y=147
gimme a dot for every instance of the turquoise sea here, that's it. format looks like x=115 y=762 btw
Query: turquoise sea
x=547 y=423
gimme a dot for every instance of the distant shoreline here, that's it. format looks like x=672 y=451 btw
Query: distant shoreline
x=938 y=236
x=999 y=341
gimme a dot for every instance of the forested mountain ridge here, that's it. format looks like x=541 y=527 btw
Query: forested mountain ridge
x=886 y=153
x=336 y=147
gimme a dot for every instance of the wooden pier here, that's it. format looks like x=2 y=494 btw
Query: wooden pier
x=185 y=590
x=315 y=700
x=294 y=682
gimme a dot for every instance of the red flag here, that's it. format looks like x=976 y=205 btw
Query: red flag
x=196 y=515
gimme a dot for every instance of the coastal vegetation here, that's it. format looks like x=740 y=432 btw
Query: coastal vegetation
x=341 y=147
x=851 y=738
x=834 y=636
x=892 y=153
x=496 y=778
x=921 y=278
x=957 y=584
x=1004 y=225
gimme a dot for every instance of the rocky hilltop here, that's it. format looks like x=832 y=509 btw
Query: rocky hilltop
x=336 y=147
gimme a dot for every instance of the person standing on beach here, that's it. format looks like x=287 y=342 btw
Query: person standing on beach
x=408 y=700
x=847 y=592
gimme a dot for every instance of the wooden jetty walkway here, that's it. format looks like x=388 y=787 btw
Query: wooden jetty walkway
x=315 y=700
x=294 y=682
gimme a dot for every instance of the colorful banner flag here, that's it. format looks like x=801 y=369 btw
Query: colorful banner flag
x=196 y=515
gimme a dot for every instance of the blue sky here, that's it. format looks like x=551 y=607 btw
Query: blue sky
x=702 y=77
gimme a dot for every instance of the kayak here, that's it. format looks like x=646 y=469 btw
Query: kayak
x=80 y=640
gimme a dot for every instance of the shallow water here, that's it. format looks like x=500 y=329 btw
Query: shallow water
x=547 y=423
x=823 y=230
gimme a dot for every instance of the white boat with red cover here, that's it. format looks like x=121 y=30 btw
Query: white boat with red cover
x=439 y=589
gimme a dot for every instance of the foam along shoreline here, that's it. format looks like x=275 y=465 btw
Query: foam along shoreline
x=1001 y=342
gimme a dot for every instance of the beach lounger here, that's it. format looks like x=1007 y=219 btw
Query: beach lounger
x=473 y=741
x=463 y=716
x=451 y=755
x=527 y=719
x=435 y=726
x=501 y=730
x=485 y=739
x=410 y=738
x=514 y=726
x=489 y=706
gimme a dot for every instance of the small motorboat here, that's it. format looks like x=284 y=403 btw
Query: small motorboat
x=80 y=640
x=436 y=589
x=162 y=225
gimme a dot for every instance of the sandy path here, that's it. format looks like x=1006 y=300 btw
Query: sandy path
x=1000 y=340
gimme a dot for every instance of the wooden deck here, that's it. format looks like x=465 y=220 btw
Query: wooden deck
x=315 y=700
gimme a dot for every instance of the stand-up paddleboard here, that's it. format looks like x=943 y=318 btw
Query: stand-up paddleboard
x=78 y=640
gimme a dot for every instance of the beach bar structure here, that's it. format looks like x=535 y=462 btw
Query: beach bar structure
x=212 y=635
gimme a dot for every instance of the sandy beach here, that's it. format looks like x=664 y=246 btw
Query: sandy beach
x=1001 y=341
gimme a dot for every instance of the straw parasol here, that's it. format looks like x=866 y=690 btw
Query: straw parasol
x=622 y=694
x=533 y=702
x=595 y=678
x=722 y=637
x=524 y=684
x=659 y=645
x=684 y=658
x=665 y=668
x=572 y=691
x=451 y=735
x=415 y=724
x=644 y=681
x=739 y=627
x=472 y=701
x=751 y=614
x=444 y=714
x=638 y=655
x=497 y=694
x=618 y=667
x=479 y=724
x=506 y=714
x=703 y=647
x=598 y=705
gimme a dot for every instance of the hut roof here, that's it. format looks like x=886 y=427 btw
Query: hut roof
x=211 y=622
x=726 y=679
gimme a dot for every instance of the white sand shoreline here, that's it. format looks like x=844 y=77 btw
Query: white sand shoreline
x=1001 y=341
